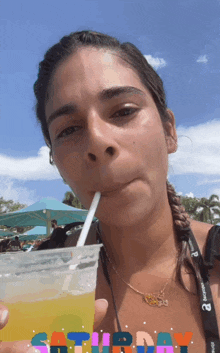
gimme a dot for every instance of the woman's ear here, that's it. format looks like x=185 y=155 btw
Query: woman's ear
x=171 y=134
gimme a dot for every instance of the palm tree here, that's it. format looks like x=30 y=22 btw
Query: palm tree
x=190 y=204
x=216 y=211
x=71 y=200
x=12 y=206
x=9 y=206
x=68 y=198
x=206 y=209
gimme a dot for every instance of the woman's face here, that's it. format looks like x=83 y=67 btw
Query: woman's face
x=107 y=136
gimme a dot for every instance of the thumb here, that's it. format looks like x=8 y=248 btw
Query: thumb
x=4 y=315
x=101 y=307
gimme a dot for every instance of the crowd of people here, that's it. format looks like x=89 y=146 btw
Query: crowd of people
x=56 y=240
x=11 y=245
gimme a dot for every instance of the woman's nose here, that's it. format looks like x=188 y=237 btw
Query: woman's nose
x=101 y=145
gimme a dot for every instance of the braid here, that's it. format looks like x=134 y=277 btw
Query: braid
x=180 y=216
x=180 y=221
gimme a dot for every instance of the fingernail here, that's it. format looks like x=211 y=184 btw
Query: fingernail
x=3 y=316
x=103 y=300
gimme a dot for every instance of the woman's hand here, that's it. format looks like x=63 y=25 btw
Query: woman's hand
x=101 y=306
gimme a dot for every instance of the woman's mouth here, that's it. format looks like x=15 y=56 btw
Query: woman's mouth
x=115 y=190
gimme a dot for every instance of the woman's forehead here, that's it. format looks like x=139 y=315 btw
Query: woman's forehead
x=90 y=71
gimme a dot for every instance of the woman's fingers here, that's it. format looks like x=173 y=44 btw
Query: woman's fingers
x=101 y=307
x=17 y=347
x=3 y=316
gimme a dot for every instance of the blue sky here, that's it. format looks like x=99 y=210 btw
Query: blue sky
x=180 y=38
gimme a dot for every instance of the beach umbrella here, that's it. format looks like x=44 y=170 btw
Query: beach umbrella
x=35 y=233
x=23 y=237
x=39 y=230
x=6 y=233
x=41 y=213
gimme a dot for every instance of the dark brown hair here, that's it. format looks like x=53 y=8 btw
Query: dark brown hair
x=53 y=222
x=150 y=79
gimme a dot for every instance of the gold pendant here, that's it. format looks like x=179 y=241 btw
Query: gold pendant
x=154 y=300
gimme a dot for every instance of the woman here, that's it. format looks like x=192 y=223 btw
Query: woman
x=104 y=117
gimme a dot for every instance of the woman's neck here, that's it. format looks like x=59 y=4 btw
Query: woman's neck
x=143 y=246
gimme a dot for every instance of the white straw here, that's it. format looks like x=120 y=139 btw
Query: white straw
x=89 y=218
x=83 y=236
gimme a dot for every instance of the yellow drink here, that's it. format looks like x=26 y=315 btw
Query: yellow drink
x=68 y=313
x=49 y=291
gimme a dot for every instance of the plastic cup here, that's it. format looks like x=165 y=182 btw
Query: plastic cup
x=49 y=291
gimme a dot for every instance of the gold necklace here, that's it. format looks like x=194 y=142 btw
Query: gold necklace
x=152 y=299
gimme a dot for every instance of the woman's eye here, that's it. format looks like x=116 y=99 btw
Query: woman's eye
x=68 y=131
x=124 y=112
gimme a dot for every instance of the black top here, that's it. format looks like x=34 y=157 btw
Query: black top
x=207 y=308
x=57 y=238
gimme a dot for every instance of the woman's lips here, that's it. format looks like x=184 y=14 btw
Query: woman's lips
x=115 y=190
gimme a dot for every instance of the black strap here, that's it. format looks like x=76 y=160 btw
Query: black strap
x=207 y=308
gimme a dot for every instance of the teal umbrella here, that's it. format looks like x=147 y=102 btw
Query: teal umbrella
x=6 y=233
x=23 y=237
x=34 y=234
x=39 y=230
x=41 y=213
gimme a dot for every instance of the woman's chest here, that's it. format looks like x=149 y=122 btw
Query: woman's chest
x=160 y=325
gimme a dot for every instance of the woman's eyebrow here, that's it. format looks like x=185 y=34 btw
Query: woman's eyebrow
x=65 y=109
x=113 y=92
x=104 y=95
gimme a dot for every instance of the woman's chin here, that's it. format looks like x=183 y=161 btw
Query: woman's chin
x=125 y=214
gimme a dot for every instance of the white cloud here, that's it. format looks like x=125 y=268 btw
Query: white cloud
x=157 y=63
x=200 y=152
x=190 y=194
x=11 y=190
x=202 y=59
x=30 y=168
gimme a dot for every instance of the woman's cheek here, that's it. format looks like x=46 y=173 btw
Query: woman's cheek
x=67 y=161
